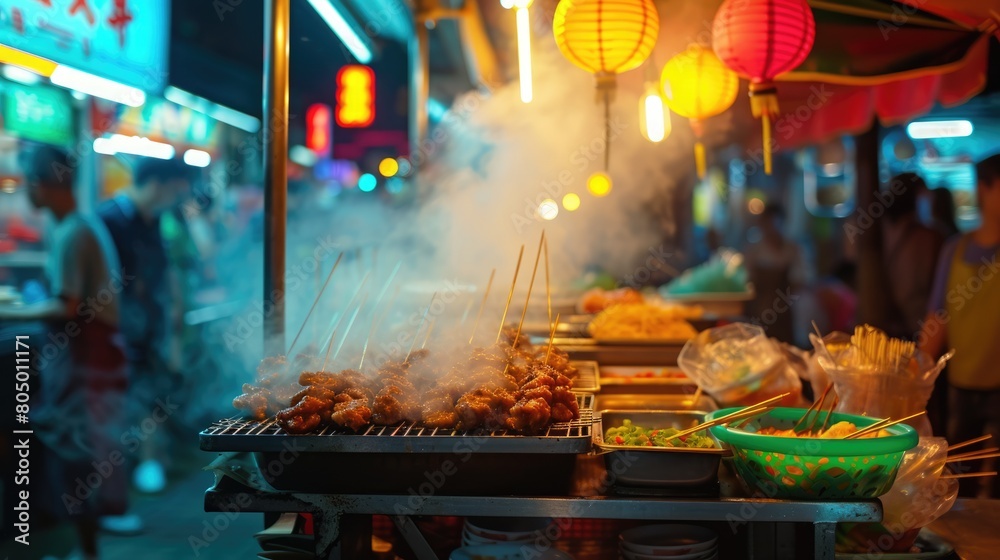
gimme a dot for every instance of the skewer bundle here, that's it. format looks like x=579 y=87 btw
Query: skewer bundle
x=876 y=350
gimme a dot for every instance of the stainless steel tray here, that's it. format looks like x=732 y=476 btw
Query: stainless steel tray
x=672 y=401
x=658 y=467
x=240 y=434
x=589 y=349
x=624 y=379
x=588 y=378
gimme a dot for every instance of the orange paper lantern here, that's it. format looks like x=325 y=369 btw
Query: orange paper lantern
x=762 y=39
x=697 y=85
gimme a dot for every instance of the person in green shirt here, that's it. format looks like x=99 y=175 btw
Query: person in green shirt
x=964 y=314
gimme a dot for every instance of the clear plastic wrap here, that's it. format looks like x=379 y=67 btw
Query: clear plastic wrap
x=918 y=497
x=739 y=365
x=894 y=391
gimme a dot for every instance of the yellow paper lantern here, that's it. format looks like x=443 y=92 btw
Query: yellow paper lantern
x=697 y=85
x=606 y=38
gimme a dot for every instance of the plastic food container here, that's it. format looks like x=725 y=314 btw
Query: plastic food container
x=658 y=467
x=810 y=468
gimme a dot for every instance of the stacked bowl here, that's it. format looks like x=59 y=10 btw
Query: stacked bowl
x=673 y=542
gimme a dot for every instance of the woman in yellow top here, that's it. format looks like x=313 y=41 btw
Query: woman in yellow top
x=965 y=315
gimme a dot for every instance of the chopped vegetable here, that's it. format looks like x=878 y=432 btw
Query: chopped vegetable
x=630 y=434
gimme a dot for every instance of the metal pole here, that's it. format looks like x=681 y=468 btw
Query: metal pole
x=419 y=52
x=276 y=23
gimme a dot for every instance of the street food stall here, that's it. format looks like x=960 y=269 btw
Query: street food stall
x=562 y=427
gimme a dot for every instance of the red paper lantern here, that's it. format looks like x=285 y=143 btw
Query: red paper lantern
x=761 y=39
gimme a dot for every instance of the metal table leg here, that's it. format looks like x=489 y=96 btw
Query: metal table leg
x=825 y=541
x=414 y=538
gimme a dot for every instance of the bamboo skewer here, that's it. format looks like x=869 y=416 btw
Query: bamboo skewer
x=430 y=329
x=813 y=407
x=548 y=289
x=531 y=283
x=422 y=319
x=510 y=295
x=340 y=319
x=969 y=475
x=962 y=456
x=882 y=424
x=819 y=409
x=350 y=325
x=829 y=415
x=975 y=458
x=552 y=336
x=482 y=306
x=754 y=410
x=969 y=442
x=313 y=307
x=376 y=316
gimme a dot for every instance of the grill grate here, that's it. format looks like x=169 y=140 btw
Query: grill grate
x=240 y=434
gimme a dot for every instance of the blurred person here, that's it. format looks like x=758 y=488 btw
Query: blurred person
x=909 y=256
x=148 y=310
x=777 y=268
x=942 y=211
x=838 y=298
x=76 y=414
x=964 y=314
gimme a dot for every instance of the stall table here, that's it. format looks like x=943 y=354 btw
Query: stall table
x=343 y=528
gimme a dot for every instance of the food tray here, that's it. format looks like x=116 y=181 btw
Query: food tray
x=673 y=401
x=588 y=377
x=589 y=349
x=667 y=379
x=810 y=468
x=658 y=467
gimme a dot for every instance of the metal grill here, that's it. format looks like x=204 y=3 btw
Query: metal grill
x=240 y=434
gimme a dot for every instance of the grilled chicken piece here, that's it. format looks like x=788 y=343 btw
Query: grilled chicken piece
x=304 y=417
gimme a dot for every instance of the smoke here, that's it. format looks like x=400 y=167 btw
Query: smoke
x=485 y=169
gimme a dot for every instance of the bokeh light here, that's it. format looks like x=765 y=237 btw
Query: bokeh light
x=599 y=184
x=548 y=209
x=388 y=167
x=367 y=182
x=755 y=206
x=571 y=202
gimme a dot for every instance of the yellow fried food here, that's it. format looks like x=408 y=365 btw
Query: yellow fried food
x=644 y=321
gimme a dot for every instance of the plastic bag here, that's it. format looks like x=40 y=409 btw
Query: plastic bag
x=723 y=273
x=739 y=366
x=887 y=392
x=918 y=497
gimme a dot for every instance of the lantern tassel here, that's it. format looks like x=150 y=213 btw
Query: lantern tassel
x=699 y=158
x=699 y=149
x=606 y=93
x=607 y=130
x=764 y=104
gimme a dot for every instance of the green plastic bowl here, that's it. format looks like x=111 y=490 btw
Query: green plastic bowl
x=810 y=468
